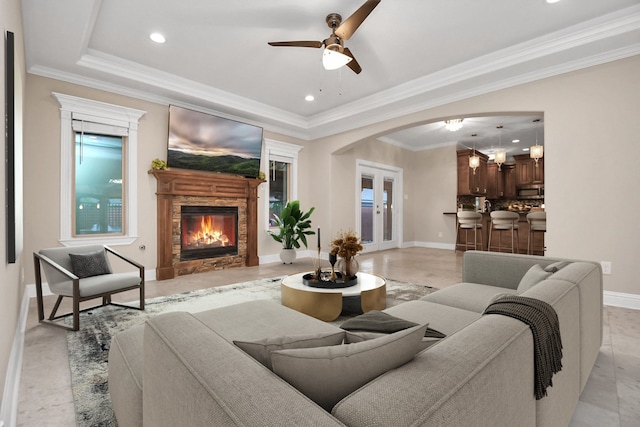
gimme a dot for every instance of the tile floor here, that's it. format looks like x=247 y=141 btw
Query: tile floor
x=611 y=397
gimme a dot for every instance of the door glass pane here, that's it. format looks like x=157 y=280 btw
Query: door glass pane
x=366 y=209
x=98 y=184
x=278 y=188
x=387 y=210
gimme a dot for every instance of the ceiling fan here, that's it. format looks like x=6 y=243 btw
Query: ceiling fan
x=335 y=55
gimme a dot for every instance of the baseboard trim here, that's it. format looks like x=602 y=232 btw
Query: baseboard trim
x=619 y=299
x=10 y=397
x=303 y=253
x=432 y=245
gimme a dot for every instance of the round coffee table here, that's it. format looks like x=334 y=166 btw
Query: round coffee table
x=370 y=293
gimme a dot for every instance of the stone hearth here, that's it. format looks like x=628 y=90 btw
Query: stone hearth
x=179 y=187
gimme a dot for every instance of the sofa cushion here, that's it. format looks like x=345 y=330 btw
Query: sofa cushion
x=261 y=349
x=532 y=277
x=467 y=296
x=126 y=364
x=443 y=318
x=480 y=376
x=90 y=264
x=97 y=285
x=328 y=374
x=258 y=319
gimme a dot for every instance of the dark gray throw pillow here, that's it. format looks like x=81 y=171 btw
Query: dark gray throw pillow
x=90 y=264
x=377 y=321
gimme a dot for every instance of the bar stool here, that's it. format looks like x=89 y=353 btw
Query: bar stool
x=504 y=221
x=537 y=224
x=468 y=220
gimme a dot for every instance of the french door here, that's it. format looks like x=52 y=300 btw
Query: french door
x=379 y=209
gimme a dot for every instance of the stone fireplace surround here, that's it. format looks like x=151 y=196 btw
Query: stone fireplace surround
x=180 y=187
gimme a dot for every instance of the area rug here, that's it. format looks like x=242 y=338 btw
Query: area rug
x=89 y=347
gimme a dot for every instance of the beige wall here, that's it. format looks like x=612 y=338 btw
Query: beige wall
x=583 y=111
x=591 y=145
x=42 y=169
x=433 y=177
x=11 y=289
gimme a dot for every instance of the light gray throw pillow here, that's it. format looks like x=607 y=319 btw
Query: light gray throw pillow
x=328 y=374
x=552 y=268
x=261 y=349
x=532 y=277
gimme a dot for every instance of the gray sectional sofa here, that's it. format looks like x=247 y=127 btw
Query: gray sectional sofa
x=262 y=364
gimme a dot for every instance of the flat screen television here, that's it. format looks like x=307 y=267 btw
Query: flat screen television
x=205 y=142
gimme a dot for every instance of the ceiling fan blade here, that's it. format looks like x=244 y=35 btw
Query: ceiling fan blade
x=297 y=44
x=348 y=27
x=353 y=64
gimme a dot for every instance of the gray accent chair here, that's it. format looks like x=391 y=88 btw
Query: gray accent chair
x=58 y=270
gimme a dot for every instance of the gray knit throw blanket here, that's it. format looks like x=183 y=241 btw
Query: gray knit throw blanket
x=547 y=345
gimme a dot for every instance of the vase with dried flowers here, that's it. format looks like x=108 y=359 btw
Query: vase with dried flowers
x=346 y=245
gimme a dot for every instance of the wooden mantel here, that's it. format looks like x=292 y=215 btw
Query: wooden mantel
x=174 y=183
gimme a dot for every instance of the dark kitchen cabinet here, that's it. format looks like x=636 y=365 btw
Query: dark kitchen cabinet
x=509 y=178
x=495 y=182
x=470 y=183
x=527 y=171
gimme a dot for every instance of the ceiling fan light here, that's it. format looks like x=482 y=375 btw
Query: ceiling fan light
x=332 y=59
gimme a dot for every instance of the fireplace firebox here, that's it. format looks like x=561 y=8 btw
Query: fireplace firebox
x=208 y=232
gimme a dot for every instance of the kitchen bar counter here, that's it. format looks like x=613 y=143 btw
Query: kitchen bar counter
x=505 y=243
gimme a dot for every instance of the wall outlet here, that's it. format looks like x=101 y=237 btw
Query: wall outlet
x=439 y=233
x=606 y=267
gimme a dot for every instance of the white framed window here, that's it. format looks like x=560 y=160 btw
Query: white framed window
x=98 y=173
x=281 y=176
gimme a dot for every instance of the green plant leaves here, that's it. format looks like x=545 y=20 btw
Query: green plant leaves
x=293 y=226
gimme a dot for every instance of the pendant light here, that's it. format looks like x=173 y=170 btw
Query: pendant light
x=500 y=154
x=536 y=151
x=474 y=159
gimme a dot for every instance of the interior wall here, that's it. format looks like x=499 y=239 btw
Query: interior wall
x=11 y=287
x=42 y=168
x=591 y=130
x=433 y=176
x=344 y=182
x=267 y=247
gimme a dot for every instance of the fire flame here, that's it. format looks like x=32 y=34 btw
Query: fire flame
x=208 y=235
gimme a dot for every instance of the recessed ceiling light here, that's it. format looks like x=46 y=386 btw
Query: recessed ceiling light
x=525 y=149
x=309 y=98
x=515 y=141
x=157 y=37
x=553 y=1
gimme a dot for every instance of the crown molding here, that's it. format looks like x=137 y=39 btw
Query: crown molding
x=159 y=99
x=588 y=32
x=452 y=84
x=368 y=117
x=150 y=76
x=392 y=141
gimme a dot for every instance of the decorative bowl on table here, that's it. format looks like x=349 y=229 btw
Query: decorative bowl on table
x=326 y=282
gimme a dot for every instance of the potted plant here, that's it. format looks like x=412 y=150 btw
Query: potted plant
x=293 y=228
